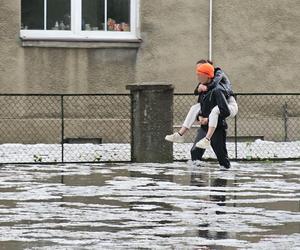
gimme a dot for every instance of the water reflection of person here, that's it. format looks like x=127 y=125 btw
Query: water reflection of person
x=220 y=201
x=198 y=180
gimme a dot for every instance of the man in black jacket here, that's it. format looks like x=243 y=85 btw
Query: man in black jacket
x=215 y=96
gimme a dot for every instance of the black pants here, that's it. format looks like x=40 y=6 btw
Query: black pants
x=218 y=143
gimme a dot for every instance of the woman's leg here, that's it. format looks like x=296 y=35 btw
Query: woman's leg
x=233 y=107
x=213 y=121
x=189 y=120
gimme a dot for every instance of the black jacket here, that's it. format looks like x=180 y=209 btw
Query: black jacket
x=221 y=79
x=215 y=96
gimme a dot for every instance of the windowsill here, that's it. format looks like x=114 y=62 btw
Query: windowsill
x=131 y=44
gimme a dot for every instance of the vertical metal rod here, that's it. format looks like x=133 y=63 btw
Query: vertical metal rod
x=210 y=31
x=235 y=132
x=62 y=128
x=132 y=101
x=285 y=121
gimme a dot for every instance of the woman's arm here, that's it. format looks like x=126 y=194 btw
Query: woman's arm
x=219 y=75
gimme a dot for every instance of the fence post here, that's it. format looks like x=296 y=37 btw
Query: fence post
x=151 y=121
x=285 y=121
x=62 y=128
x=235 y=133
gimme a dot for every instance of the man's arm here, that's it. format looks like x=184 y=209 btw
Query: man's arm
x=222 y=103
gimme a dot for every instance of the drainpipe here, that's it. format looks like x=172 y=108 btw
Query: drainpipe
x=210 y=31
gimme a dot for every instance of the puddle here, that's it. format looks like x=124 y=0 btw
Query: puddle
x=150 y=206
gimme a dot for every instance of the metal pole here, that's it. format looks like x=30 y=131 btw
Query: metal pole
x=285 y=120
x=210 y=31
x=235 y=132
x=132 y=156
x=62 y=128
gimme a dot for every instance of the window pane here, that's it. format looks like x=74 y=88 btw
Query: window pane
x=118 y=15
x=58 y=14
x=32 y=16
x=93 y=15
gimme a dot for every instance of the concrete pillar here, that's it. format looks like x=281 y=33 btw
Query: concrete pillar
x=151 y=121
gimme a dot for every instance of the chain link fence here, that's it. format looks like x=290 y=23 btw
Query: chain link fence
x=97 y=128
x=64 y=128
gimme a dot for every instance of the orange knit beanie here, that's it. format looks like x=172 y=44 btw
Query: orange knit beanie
x=206 y=69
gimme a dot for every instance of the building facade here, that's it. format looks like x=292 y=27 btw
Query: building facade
x=256 y=42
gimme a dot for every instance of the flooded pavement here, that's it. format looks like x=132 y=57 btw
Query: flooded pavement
x=150 y=206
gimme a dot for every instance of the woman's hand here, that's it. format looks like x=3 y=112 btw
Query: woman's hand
x=203 y=120
x=202 y=88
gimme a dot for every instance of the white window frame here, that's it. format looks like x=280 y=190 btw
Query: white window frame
x=76 y=34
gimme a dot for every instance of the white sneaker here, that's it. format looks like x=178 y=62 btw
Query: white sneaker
x=175 y=138
x=203 y=143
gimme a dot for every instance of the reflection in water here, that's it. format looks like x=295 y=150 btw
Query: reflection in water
x=132 y=206
x=218 y=196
